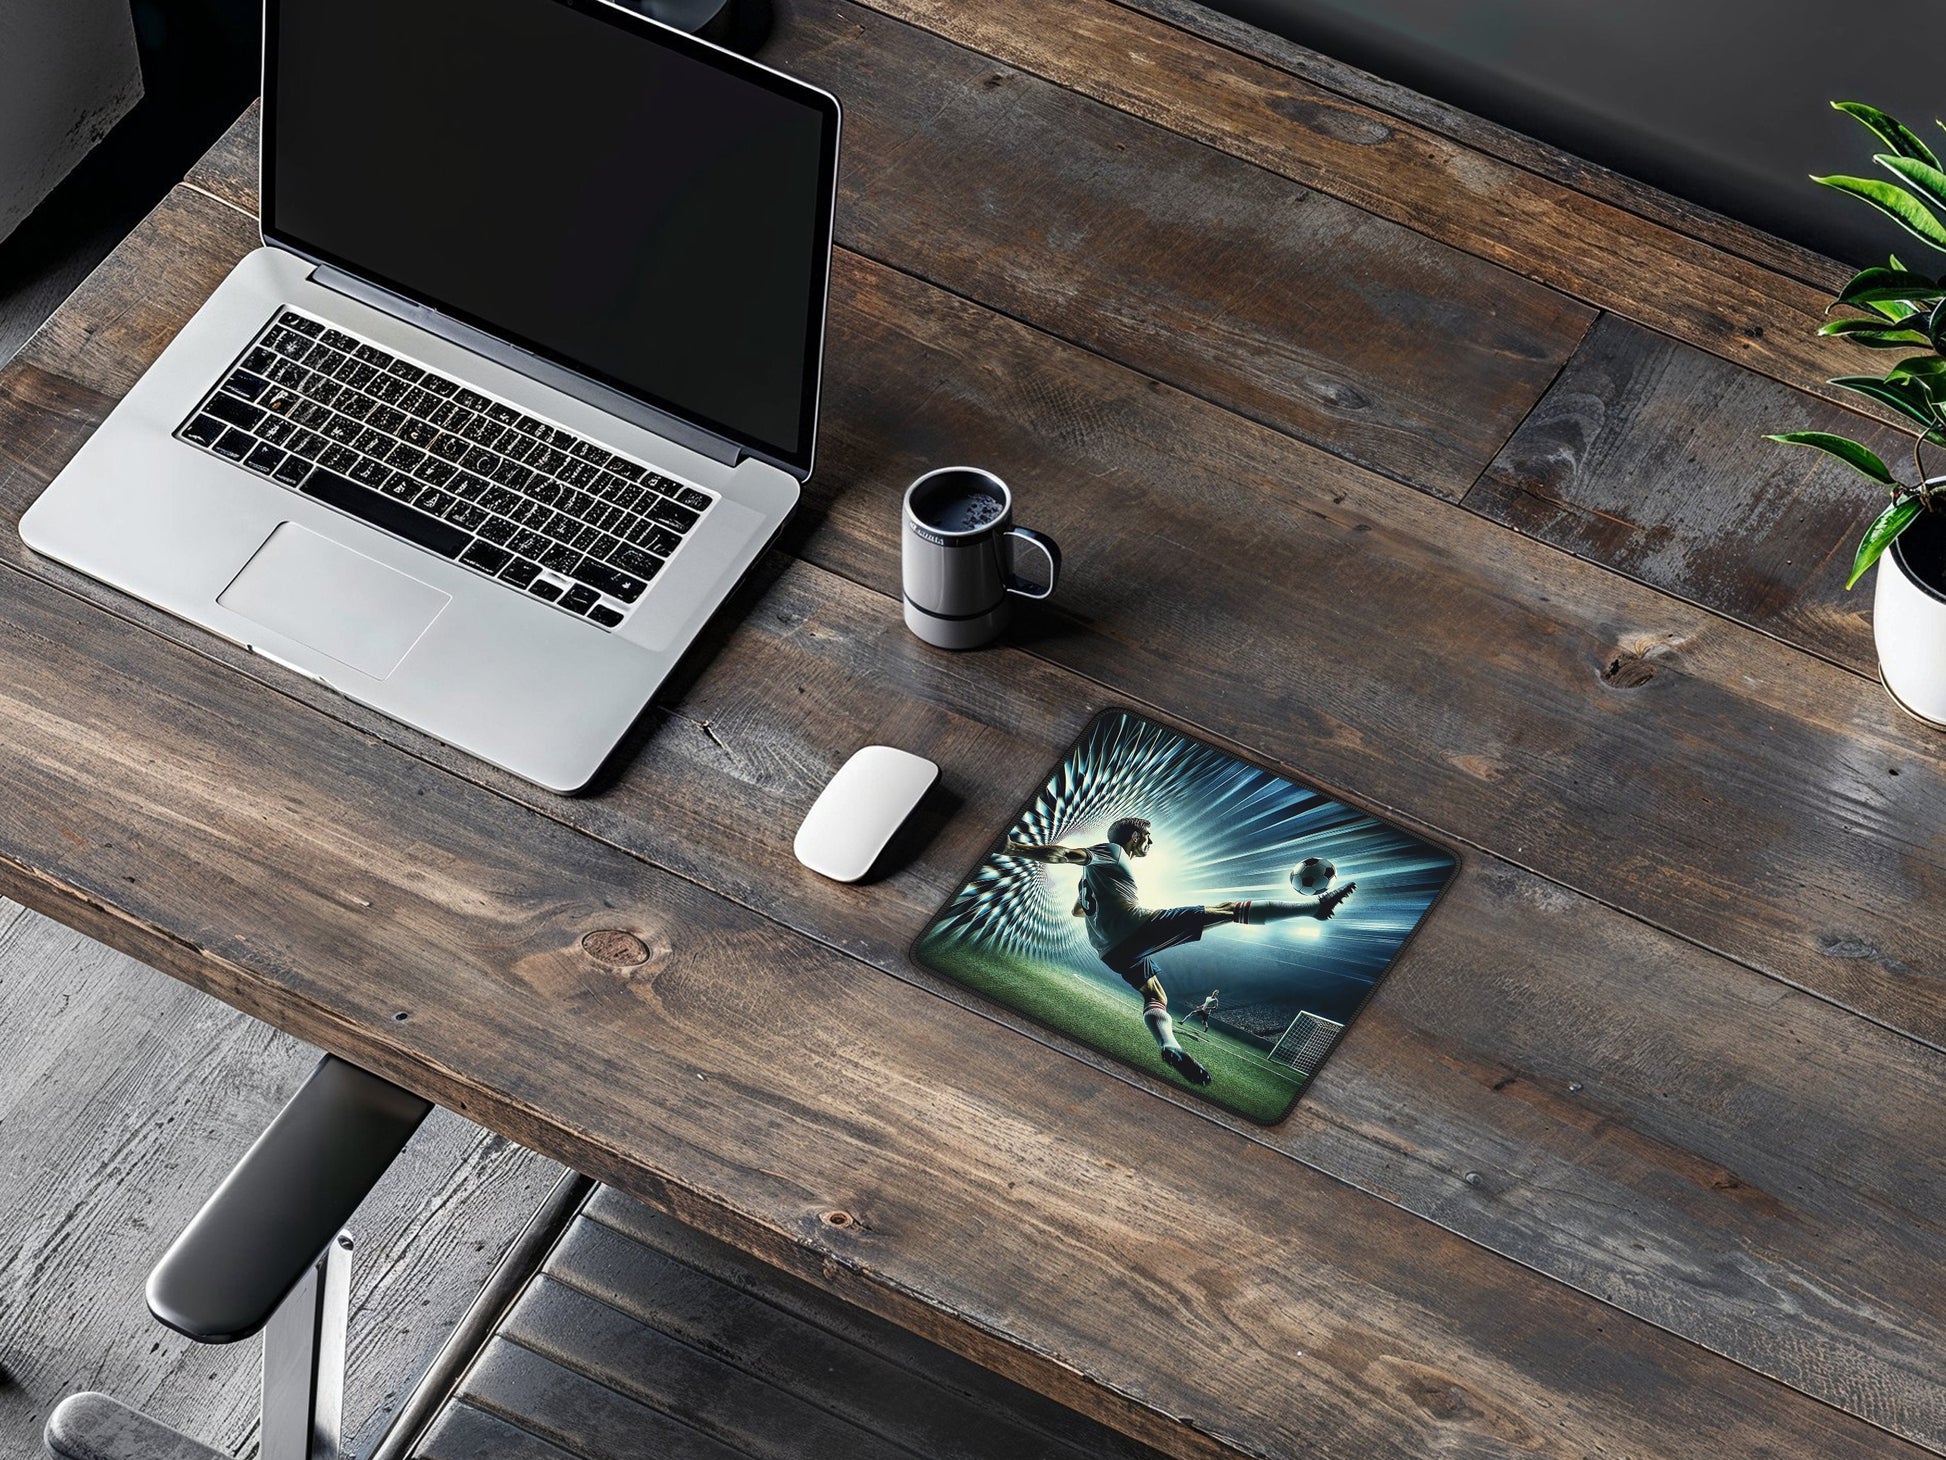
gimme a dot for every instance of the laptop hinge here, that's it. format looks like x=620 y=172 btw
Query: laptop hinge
x=568 y=382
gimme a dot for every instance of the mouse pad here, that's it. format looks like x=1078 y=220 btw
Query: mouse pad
x=1206 y=920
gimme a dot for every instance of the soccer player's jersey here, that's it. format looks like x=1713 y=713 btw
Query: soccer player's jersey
x=1108 y=898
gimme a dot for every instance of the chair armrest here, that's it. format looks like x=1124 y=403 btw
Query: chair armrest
x=269 y=1221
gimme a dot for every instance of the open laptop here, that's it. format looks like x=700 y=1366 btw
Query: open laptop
x=522 y=382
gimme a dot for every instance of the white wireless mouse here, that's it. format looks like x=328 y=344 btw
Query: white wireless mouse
x=857 y=813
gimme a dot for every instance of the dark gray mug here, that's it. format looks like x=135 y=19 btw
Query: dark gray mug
x=960 y=554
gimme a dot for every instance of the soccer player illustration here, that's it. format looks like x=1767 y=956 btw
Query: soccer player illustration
x=1202 y=1011
x=1127 y=935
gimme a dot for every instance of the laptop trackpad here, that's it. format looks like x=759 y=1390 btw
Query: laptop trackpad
x=326 y=597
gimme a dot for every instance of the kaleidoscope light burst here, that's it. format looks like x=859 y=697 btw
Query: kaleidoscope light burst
x=1223 y=831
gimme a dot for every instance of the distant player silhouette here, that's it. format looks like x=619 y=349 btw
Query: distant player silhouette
x=1127 y=936
x=1202 y=1011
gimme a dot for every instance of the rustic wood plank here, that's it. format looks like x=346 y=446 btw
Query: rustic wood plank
x=1647 y=456
x=465 y=1433
x=124 y=1098
x=1477 y=134
x=1184 y=262
x=821 y=667
x=690 y=1081
x=1588 y=248
x=800 y=1338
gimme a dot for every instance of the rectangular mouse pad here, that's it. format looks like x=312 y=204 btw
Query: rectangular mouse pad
x=1204 y=919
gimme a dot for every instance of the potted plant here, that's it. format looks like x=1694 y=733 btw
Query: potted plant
x=1900 y=309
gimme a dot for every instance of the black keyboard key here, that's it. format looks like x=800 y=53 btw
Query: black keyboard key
x=292 y=472
x=544 y=589
x=322 y=357
x=580 y=473
x=499 y=499
x=387 y=388
x=470 y=515
x=386 y=419
x=479 y=459
x=356 y=404
x=381 y=511
x=372 y=443
x=449 y=415
x=434 y=472
x=658 y=540
x=562 y=560
x=448 y=447
x=627 y=470
x=323 y=391
x=265 y=459
x=309 y=328
x=410 y=374
x=431 y=499
x=245 y=384
x=287 y=372
x=203 y=430
x=694 y=500
x=338 y=458
x=402 y=488
x=506 y=415
x=277 y=431
x=486 y=557
x=520 y=572
x=310 y=413
x=480 y=431
x=588 y=451
x=578 y=599
x=438 y=385
x=670 y=514
x=559 y=525
x=472 y=400
x=498 y=529
x=229 y=409
x=371 y=473
x=604 y=579
x=281 y=400
x=602 y=614
x=404 y=457
x=585 y=536
x=546 y=459
x=530 y=544
x=287 y=342
x=372 y=355
x=634 y=560
x=338 y=429
x=338 y=340
x=469 y=487
x=309 y=445
x=259 y=360
x=576 y=504
x=234 y=444
x=419 y=433
x=544 y=489
x=513 y=474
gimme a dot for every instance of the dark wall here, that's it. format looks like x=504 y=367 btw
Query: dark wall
x=1724 y=102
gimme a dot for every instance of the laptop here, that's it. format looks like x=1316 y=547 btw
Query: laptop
x=521 y=383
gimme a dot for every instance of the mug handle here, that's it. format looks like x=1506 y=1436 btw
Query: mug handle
x=1047 y=548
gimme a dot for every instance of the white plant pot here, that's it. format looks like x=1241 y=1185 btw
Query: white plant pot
x=1909 y=619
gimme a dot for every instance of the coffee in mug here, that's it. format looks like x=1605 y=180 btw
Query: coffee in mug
x=963 y=558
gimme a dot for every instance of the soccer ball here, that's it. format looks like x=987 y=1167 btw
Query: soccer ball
x=1313 y=876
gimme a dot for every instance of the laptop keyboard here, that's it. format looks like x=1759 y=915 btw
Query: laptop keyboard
x=471 y=478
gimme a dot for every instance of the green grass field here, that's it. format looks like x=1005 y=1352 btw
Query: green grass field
x=1110 y=1019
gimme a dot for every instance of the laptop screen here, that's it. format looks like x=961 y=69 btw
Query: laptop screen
x=619 y=198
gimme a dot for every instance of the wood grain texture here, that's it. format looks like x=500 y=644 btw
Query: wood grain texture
x=819 y=666
x=1476 y=134
x=1647 y=456
x=691 y=1081
x=124 y=1098
x=1395 y=169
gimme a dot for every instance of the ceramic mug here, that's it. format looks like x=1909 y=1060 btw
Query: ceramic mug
x=961 y=554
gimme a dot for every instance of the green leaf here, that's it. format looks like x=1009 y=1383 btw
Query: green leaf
x=1878 y=537
x=1887 y=286
x=1927 y=368
x=1895 y=202
x=1848 y=451
x=1924 y=178
x=1876 y=334
x=1889 y=130
x=1936 y=325
x=1903 y=396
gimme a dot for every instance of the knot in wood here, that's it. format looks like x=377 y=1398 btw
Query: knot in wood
x=613 y=946
x=1627 y=671
x=837 y=1219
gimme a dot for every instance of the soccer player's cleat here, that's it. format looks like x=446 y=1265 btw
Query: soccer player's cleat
x=1328 y=904
x=1184 y=1064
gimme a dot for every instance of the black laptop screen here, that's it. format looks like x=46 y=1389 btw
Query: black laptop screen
x=615 y=197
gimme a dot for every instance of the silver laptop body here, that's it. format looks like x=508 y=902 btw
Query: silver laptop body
x=173 y=499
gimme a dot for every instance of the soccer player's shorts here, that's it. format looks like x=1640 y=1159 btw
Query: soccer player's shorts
x=1169 y=928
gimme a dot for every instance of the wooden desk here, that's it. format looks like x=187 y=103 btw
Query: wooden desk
x=1384 y=445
